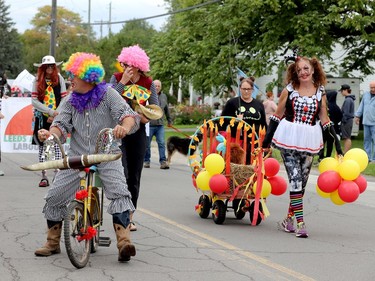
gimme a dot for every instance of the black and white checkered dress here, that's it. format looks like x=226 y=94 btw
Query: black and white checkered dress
x=300 y=130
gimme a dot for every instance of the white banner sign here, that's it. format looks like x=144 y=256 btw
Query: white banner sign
x=16 y=131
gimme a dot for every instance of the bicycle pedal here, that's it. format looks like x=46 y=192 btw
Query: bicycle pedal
x=104 y=241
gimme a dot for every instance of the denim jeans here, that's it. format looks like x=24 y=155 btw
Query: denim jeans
x=369 y=141
x=158 y=132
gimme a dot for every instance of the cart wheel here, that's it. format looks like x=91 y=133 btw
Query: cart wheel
x=218 y=212
x=251 y=211
x=239 y=213
x=205 y=203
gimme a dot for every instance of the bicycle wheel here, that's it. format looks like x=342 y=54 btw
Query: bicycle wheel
x=78 y=250
x=95 y=219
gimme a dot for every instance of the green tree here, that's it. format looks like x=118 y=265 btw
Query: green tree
x=71 y=35
x=10 y=46
x=205 y=44
x=132 y=33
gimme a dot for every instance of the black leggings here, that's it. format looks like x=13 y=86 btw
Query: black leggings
x=133 y=149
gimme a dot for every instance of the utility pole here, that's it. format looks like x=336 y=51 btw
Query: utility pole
x=52 y=46
x=101 y=28
x=110 y=19
x=89 y=22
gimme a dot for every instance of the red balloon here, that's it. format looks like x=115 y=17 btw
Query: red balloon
x=361 y=182
x=348 y=191
x=329 y=181
x=278 y=185
x=271 y=167
x=218 y=183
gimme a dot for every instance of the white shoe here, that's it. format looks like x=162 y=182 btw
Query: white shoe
x=1 y=173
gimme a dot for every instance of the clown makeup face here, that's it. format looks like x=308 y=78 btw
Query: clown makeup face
x=304 y=70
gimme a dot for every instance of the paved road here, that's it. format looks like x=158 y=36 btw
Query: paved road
x=174 y=243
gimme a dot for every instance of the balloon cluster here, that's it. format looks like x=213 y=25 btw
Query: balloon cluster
x=272 y=184
x=210 y=178
x=341 y=181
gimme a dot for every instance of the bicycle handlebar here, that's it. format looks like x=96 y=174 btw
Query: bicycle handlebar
x=104 y=141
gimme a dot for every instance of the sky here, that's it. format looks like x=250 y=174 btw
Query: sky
x=22 y=11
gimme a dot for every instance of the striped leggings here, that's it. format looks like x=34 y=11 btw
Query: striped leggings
x=298 y=166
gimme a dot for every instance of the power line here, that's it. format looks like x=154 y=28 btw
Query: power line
x=158 y=16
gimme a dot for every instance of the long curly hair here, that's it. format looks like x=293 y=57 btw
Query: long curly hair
x=41 y=80
x=319 y=76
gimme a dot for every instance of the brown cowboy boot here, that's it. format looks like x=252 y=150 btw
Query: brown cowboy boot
x=52 y=245
x=125 y=248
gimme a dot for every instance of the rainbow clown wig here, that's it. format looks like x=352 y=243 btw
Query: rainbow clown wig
x=136 y=57
x=85 y=66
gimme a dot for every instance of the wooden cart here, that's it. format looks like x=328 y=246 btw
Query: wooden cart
x=218 y=136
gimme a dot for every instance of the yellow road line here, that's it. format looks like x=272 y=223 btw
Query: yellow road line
x=229 y=246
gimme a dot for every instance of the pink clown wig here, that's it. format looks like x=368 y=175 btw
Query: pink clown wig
x=85 y=66
x=136 y=57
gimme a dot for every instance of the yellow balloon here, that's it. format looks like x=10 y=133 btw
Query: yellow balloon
x=359 y=156
x=266 y=188
x=203 y=180
x=322 y=193
x=214 y=164
x=335 y=198
x=349 y=170
x=328 y=164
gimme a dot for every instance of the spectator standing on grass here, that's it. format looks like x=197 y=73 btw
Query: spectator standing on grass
x=347 y=110
x=366 y=110
x=335 y=115
x=157 y=130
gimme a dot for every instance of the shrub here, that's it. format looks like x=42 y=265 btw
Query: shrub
x=189 y=115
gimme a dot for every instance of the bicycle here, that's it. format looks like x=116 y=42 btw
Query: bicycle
x=81 y=225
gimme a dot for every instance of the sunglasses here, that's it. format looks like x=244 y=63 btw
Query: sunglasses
x=50 y=66
x=70 y=75
x=124 y=65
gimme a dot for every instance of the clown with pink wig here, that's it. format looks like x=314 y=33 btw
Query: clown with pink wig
x=91 y=107
x=136 y=88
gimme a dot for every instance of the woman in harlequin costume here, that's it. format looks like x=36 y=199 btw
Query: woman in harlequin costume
x=295 y=130
x=48 y=90
x=246 y=108
x=135 y=87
